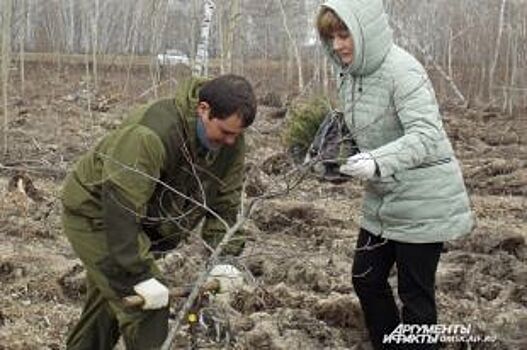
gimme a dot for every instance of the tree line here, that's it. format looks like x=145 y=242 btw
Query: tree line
x=475 y=49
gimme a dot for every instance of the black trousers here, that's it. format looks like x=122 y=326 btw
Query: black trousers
x=416 y=268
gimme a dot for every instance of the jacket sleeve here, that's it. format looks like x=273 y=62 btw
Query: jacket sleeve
x=226 y=203
x=130 y=169
x=417 y=109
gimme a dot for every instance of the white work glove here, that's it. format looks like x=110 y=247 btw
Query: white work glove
x=230 y=277
x=361 y=165
x=153 y=292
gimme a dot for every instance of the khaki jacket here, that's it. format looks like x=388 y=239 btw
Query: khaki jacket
x=152 y=177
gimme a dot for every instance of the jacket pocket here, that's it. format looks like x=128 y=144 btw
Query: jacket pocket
x=429 y=184
x=426 y=172
x=382 y=185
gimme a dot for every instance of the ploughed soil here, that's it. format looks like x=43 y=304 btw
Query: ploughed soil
x=301 y=240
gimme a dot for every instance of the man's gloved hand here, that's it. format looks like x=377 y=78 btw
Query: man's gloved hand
x=361 y=165
x=154 y=293
x=229 y=276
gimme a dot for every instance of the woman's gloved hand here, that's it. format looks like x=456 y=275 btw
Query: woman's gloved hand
x=154 y=293
x=361 y=165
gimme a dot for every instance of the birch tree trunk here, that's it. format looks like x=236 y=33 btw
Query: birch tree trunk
x=29 y=24
x=289 y=67
x=325 y=75
x=514 y=66
x=294 y=46
x=95 y=42
x=158 y=19
x=71 y=32
x=227 y=24
x=86 y=43
x=132 y=42
x=513 y=96
x=234 y=18
x=6 y=58
x=497 y=48
x=22 y=40
x=449 y=52
x=193 y=25
x=317 y=63
x=202 y=53
x=222 y=35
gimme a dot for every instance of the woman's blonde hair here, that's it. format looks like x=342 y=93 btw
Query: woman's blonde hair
x=328 y=23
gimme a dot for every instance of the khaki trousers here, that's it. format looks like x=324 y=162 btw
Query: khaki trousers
x=104 y=318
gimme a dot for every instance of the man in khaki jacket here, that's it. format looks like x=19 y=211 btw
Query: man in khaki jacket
x=140 y=190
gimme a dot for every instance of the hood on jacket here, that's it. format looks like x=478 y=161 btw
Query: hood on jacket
x=186 y=98
x=372 y=36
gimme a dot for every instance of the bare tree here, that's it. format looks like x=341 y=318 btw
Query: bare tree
x=271 y=37
x=132 y=39
x=497 y=47
x=158 y=18
x=201 y=64
x=193 y=25
x=94 y=20
x=71 y=32
x=6 y=60
x=294 y=46
x=234 y=19
x=21 y=46
x=408 y=38
x=228 y=20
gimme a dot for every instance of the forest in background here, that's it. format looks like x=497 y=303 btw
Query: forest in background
x=475 y=50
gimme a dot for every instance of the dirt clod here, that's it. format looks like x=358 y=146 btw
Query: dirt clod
x=73 y=283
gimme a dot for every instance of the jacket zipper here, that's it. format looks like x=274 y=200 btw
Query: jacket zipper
x=353 y=88
x=352 y=107
x=379 y=217
x=378 y=211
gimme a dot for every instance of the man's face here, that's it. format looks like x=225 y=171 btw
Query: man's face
x=342 y=44
x=220 y=131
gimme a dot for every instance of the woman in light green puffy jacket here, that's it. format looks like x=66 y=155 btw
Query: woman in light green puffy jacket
x=415 y=196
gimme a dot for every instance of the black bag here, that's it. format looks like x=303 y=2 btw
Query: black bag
x=331 y=147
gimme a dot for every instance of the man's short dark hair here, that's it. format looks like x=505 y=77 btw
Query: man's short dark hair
x=229 y=94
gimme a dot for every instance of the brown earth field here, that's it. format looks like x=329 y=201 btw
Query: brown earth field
x=300 y=244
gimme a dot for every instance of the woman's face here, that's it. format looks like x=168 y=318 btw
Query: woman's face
x=342 y=44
